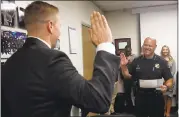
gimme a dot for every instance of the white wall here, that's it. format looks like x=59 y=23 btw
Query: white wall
x=124 y=25
x=162 y=26
x=72 y=14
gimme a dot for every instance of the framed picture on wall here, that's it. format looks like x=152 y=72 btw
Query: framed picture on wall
x=72 y=40
x=121 y=43
x=11 y=42
x=20 y=17
x=8 y=17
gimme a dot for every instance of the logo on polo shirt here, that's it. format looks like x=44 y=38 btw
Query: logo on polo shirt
x=138 y=67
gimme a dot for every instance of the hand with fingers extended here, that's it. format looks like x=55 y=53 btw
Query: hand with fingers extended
x=99 y=31
x=124 y=60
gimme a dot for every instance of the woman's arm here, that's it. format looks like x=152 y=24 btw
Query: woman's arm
x=173 y=68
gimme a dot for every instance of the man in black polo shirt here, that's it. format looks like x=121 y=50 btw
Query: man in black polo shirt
x=148 y=70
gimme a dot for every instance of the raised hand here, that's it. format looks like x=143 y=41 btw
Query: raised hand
x=99 y=31
x=124 y=60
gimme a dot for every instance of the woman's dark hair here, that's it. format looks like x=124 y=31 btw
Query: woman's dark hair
x=127 y=46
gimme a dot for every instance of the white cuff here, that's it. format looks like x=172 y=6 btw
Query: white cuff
x=108 y=47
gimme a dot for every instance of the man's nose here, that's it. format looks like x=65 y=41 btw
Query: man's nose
x=147 y=47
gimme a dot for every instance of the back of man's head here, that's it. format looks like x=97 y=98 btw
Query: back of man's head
x=39 y=12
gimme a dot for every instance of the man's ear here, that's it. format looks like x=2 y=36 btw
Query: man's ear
x=50 y=27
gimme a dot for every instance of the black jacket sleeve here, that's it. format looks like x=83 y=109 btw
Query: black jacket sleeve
x=93 y=95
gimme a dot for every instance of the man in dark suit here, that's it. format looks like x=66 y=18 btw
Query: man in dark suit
x=38 y=81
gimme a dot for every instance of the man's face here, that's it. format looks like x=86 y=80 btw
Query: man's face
x=149 y=47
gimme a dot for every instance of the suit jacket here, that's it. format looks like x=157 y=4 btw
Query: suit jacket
x=41 y=82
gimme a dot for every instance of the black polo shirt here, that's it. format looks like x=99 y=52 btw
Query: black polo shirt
x=154 y=68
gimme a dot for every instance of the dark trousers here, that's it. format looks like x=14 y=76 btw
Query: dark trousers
x=119 y=106
x=127 y=95
x=149 y=104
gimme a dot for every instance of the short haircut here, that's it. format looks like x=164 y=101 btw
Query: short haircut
x=39 y=11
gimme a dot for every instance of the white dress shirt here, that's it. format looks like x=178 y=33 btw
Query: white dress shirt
x=108 y=47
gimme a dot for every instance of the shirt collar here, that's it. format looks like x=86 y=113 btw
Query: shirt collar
x=41 y=41
x=152 y=58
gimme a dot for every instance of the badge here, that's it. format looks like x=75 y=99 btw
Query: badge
x=157 y=65
x=138 y=67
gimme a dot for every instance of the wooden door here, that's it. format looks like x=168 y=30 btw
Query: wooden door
x=89 y=53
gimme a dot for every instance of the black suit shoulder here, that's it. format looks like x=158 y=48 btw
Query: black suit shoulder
x=56 y=54
x=48 y=78
x=93 y=95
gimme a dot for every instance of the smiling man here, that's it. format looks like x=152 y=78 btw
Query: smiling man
x=148 y=69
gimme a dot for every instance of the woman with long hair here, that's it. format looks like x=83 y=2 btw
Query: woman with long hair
x=165 y=53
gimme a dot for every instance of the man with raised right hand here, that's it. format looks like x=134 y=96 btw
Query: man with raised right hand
x=38 y=81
